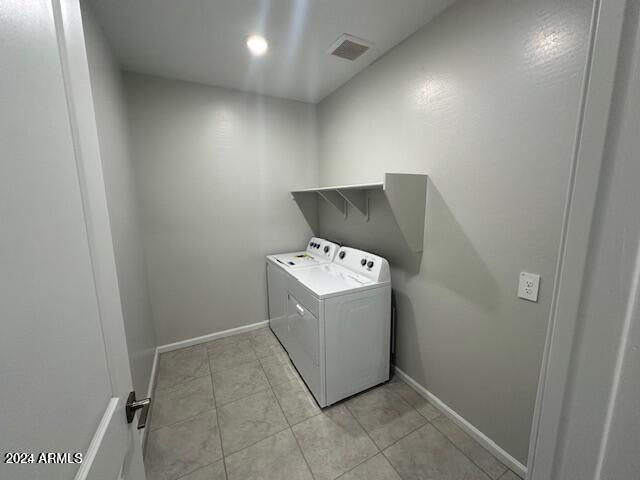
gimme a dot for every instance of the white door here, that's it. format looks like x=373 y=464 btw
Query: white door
x=64 y=370
x=588 y=407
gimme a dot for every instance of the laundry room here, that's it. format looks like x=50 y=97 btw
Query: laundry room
x=314 y=239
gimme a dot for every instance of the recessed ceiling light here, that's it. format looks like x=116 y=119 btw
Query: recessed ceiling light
x=257 y=45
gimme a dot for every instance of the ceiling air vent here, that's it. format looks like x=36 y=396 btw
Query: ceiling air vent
x=349 y=47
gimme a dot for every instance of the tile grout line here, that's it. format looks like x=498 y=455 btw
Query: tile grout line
x=294 y=435
x=306 y=389
x=181 y=421
x=381 y=451
x=356 y=466
x=288 y=423
x=302 y=453
x=243 y=397
x=467 y=456
x=224 y=463
x=191 y=417
x=391 y=463
x=308 y=418
x=404 y=436
x=430 y=421
x=362 y=462
x=269 y=436
x=156 y=386
x=257 y=359
x=268 y=387
x=194 y=471
x=175 y=385
x=367 y=434
x=256 y=442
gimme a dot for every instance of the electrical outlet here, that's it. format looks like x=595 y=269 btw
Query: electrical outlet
x=528 y=286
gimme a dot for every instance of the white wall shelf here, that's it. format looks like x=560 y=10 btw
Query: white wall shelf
x=405 y=192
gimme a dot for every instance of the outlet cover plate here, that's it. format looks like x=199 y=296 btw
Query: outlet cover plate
x=528 y=286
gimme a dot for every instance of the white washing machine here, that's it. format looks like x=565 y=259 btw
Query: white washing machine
x=336 y=324
x=318 y=252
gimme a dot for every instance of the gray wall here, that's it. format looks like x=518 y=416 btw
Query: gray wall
x=111 y=119
x=484 y=99
x=214 y=167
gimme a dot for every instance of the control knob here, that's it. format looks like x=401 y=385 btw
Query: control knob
x=363 y=262
x=326 y=249
x=370 y=264
x=342 y=254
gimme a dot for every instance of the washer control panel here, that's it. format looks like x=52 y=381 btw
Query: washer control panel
x=318 y=247
x=364 y=263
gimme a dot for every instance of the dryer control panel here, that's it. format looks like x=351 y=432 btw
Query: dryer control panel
x=364 y=263
x=322 y=248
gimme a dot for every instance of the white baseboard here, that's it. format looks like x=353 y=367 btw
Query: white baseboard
x=106 y=433
x=154 y=373
x=465 y=425
x=211 y=336
x=144 y=433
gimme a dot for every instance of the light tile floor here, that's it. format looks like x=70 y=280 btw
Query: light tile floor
x=236 y=409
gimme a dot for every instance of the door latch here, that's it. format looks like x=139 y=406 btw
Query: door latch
x=133 y=405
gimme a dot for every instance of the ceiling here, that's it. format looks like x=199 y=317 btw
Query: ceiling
x=203 y=40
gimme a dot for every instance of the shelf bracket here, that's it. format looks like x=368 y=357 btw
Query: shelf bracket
x=358 y=199
x=335 y=199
